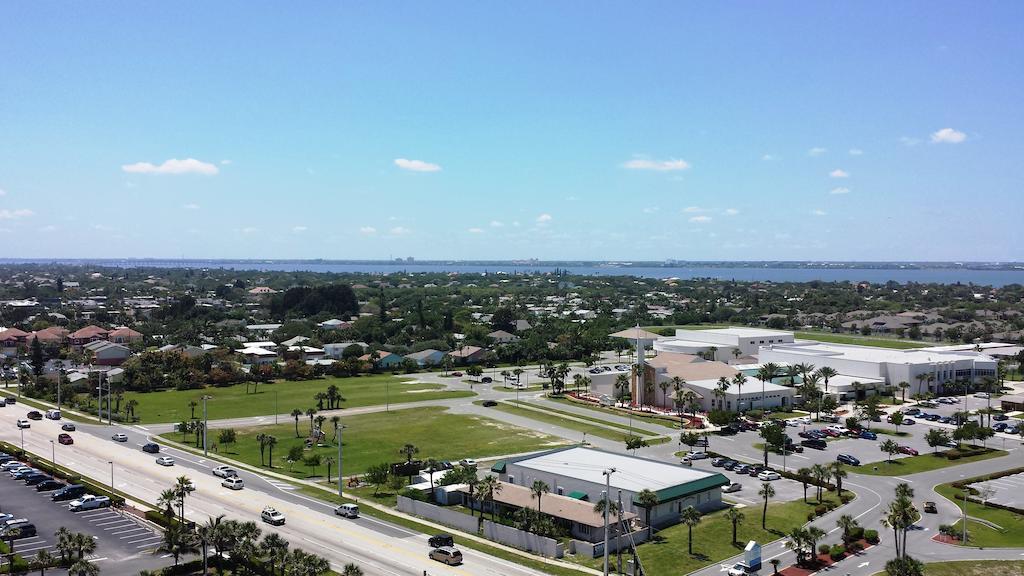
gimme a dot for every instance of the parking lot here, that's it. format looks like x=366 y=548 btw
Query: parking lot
x=124 y=544
x=1008 y=490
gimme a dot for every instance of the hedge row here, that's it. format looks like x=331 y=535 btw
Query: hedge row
x=962 y=484
x=59 y=472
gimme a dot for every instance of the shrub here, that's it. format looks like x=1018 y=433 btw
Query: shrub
x=820 y=510
x=413 y=494
x=871 y=536
x=855 y=547
x=836 y=552
x=824 y=548
x=755 y=414
x=845 y=498
x=857 y=533
x=811 y=516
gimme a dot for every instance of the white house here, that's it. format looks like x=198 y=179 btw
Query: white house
x=727 y=344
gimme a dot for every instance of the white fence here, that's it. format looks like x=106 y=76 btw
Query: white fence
x=451 y=518
x=523 y=540
x=595 y=549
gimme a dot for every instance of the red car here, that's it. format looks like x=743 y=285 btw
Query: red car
x=908 y=450
x=65 y=439
x=828 y=432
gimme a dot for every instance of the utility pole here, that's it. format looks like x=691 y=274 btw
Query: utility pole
x=964 y=520
x=337 y=434
x=607 y=503
x=276 y=410
x=618 y=536
x=111 y=476
x=205 y=422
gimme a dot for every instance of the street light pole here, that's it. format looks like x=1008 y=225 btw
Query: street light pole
x=607 y=504
x=205 y=422
x=337 y=434
x=111 y=476
x=53 y=453
x=23 y=440
x=276 y=410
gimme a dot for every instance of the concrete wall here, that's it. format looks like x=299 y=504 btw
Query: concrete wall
x=516 y=538
x=595 y=549
x=456 y=520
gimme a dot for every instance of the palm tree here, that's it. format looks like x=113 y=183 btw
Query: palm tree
x=825 y=373
x=432 y=466
x=846 y=523
x=178 y=541
x=664 y=391
x=838 y=473
x=767 y=491
x=409 y=451
x=538 y=489
x=721 y=390
x=488 y=487
x=351 y=570
x=82 y=544
x=796 y=541
x=296 y=413
x=903 y=390
x=192 y=405
x=320 y=398
x=921 y=378
x=83 y=568
x=792 y=371
x=691 y=517
x=271 y=442
x=804 y=369
x=275 y=549
x=647 y=500
x=167 y=501
x=739 y=380
x=42 y=560
x=736 y=517
x=805 y=476
x=311 y=412
x=820 y=474
x=63 y=546
x=813 y=535
x=621 y=386
x=182 y=487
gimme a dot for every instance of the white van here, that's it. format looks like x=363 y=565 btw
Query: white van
x=53 y=414
x=347 y=510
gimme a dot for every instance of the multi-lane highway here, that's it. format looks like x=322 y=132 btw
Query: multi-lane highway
x=378 y=547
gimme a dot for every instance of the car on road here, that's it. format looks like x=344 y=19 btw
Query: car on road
x=65 y=438
x=456 y=373
x=447 y=555
x=24 y=424
x=151 y=448
x=489 y=404
x=930 y=507
x=348 y=511
x=165 y=461
x=34 y=415
x=441 y=540
x=981 y=395
x=768 y=476
x=816 y=443
x=233 y=483
x=119 y=437
x=848 y=459
x=272 y=516
x=49 y=485
x=908 y=450
x=868 y=435
x=67 y=427
x=224 y=472
x=908 y=422
x=733 y=487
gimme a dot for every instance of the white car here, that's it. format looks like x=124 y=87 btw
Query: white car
x=734 y=487
x=224 y=472
x=738 y=570
x=695 y=456
x=793 y=423
x=22 y=423
x=768 y=476
x=468 y=462
x=272 y=516
x=233 y=482
x=347 y=511
x=165 y=461
x=119 y=437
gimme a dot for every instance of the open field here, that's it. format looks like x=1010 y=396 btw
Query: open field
x=600 y=411
x=282 y=397
x=616 y=434
x=637 y=430
x=377 y=437
x=973 y=568
x=861 y=340
x=980 y=535
x=712 y=538
x=921 y=463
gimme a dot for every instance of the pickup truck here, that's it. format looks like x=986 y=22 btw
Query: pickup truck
x=89 y=502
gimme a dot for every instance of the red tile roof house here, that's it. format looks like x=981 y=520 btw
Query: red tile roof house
x=52 y=337
x=468 y=354
x=11 y=338
x=124 y=335
x=85 y=335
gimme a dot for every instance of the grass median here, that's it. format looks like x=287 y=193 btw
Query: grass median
x=1012 y=524
x=922 y=463
x=973 y=568
x=601 y=411
x=281 y=397
x=584 y=427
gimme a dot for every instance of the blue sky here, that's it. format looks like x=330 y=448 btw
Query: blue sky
x=577 y=130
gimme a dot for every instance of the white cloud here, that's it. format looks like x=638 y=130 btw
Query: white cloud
x=475 y=230
x=656 y=165
x=367 y=230
x=948 y=136
x=818 y=212
x=839 y=190
x=416 y=165
x=856 y=152
x=651 y=210
x=299 y=229
x=731 y=211
x=816 y=151
x=838 y=173
x=225 y=162
x=250 y=230
x=515 y=223
x=48 y=228
x=191 y=206
x=700 y=219
x=16 y=214
x=172 y=166
x=544 y=218
x=693 y=209
x=3 y=192
x=769 y=157
x=908 y=141
x=496 y=224
x=400 y=231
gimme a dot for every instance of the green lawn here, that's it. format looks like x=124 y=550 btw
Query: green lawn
x=922 y=463
x=601 y=411
x=973 y=568
x=667 y=553
x=596 y=418
x=283 y=396
x=981 y=535
x=860 y=340
x=786 y=415
x=617 y=434
x=377 y=437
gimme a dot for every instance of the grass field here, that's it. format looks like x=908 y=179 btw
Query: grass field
x=921 y=463
x=595 y=418
x=617 y=434
x=667 y=553
x=860 y=340
x=283 y=396
x=973 y=568
x=377 y=437
x=600 y=411
x=980 y=535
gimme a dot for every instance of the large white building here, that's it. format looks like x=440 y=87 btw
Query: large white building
x=725 y=344
x=924 y=369
x=579 y=473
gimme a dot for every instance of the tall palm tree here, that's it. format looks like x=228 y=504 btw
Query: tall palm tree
x=271 y=442
x=168 y=500
x=825 y=373
x=721 y=390
x=647 y=500
x=739 y=380
x=805 y=476
x=296 y=414
x=311 y=412
x=792 y=371
x=813 y=535
x=182 y=488
x=538 y=489
x=63 y=546
x=42 y=560
x=83 y=568
x=432 y=466
x=178 y=541
x=903 y=390
x=275 y=550
x=488 y=487
x=846 y=523
x=820 y=473
x=838 y=473
x=734 y=516
x=691 y=517
x=767 y=491
x=690 y=397
x=664 y=385
x=796 y=541
x=805 y=368
x=621 y=386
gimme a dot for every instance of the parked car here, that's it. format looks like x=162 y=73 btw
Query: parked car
x=755 y=470
x=89 y=502
x=16 y=531
x=447 y=555
x=695 y=456
x=734 y=487
x=68 y=492
x=1012 y=430
x=119 y=437
x=272 y=516
x=719 y=462
x=868 y=435
x=1000 y=417
x=233 y=483
x=441 y=541
x=468 y=462
x=741 y=468
x=930 y=507
x=908 y=450
x=165 y=461
x=913 y=411
x=224 y=471
x=67 y=427
x=34 y=415
x=34 y=479
x=1000 y=426
x=151 y=448
x=347 y=511
x=848 y=459
x=908 y=422
x=65 y=438
x=815 y=443
x=48 y=485
x=768 y=476
x=730 y=464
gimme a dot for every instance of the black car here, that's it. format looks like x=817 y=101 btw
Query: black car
x=35 y=479
x=151 y=448
x=816 y=443
x=848 y=459
x=48 y=485
x=489 y=404
x=18 y=531
x=69 y=492
x=1000 y=417
x=68 y=427
x=34 y=415
x=441 y=540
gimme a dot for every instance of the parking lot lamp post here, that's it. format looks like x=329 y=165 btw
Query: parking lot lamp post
x=111 y=475
x=337 y=434
x=23 y=440
x=607 y=505
x=53 y=454
x=964 y=519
